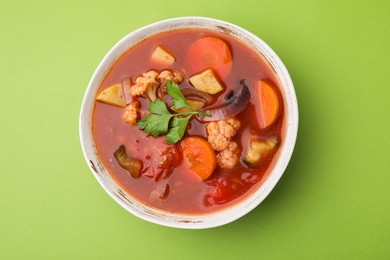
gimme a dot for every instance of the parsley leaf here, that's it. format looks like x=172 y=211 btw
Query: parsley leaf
x=158 y=107
x=179 y=100
x=162 y=121
x=155 y=124
x=178 y=127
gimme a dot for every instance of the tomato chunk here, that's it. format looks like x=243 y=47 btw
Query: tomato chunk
x=159 y=158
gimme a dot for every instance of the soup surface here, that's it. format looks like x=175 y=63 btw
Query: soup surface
x=227 y=148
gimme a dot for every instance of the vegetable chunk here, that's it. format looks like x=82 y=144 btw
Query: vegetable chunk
x=162 y=57
x=268 y=100
x=210 y=52
x=229 y=157
x=131 y=164
x=258 y=149
x=206 y=81
x=132 y=113
x=152 y=84
x=112 y=95
x=195 y=105
x=162 y=121
x=200 y=156
x=219 y=133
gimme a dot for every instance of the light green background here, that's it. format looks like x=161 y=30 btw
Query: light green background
x=333 y=202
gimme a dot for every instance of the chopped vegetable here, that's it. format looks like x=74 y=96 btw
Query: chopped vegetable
x=200 y=156
x=206 y=81
x=160 y=193
x=126 y=85
x=229 y=157
x=157 y=122
x=220 y=133
x=268 y=100
x=146 y=84
x=162 y=57
x=132 y=165
x=235 y=104
x=195 y=105
x=258 y=149
x=112 y=95
x=164 y=192
x=159 y=158
x=161 y=121
x=195 y=94
x=174 y=91
x=178 y=126
x=151 y=92
x=210 y=52
x=132 y=113
x=164 y=77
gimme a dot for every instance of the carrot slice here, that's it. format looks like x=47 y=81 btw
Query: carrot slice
x=210 y=52
x=199 y=154
x=268 y=100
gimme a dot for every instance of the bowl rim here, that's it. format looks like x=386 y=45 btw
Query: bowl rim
x=213 y=219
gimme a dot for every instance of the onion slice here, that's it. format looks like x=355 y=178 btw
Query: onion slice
x=235 y=104
x=193 y=93
x=126 y=84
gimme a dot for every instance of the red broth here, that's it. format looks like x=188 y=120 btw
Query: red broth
x=182 y=191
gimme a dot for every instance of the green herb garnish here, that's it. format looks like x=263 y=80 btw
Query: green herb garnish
x=162 y=121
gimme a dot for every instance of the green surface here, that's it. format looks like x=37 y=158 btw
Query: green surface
x=333 y=201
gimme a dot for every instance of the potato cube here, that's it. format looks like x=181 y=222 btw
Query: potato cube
x=206 y=81
x=194 y=104
x=112 y=95
x=162 y=57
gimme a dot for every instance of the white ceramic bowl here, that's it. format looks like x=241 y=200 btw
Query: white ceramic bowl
x=178 y=220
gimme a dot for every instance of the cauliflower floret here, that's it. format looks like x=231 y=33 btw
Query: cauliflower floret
x=146 y=84
x=166 y=75
x=229 y=157
x=149 y=82
x=132 y=112
x=220 y=132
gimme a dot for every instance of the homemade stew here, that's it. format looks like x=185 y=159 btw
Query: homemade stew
x=189 y=121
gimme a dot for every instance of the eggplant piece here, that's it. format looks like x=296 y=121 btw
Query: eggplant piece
x=235 y=104
x=258 y=149
x=131 y=164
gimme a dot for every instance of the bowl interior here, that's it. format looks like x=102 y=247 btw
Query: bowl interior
x=178 y=220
